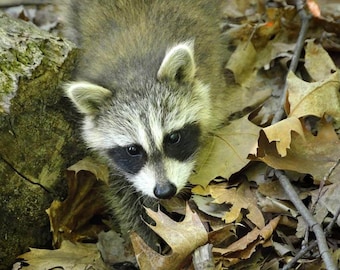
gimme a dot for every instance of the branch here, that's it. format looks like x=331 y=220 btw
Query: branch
x=327 y=230
x=330 y=226
x=305 y=18
x=303 y=251
x=299 y=255
x=284 y=181
x=308 y=218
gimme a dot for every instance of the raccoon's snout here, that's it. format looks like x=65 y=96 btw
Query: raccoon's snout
x=165 y=191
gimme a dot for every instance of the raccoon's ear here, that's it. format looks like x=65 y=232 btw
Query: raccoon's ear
x=178 y=64
x=87 y=97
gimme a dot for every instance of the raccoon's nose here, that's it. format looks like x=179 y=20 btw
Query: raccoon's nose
x=165 y=191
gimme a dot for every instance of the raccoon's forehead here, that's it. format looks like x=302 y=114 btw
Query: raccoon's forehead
x=146 y=119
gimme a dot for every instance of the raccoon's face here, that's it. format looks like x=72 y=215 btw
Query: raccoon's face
x=157 y=164
x=151 y=134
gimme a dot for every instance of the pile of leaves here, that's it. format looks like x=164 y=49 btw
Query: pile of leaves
x=241 y=214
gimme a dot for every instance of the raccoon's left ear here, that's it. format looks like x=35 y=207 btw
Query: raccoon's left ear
x=87 y=97
x=178 y=64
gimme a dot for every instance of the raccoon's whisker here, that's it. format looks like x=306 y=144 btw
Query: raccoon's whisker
x=116 y=176
x=121 y=188
x=139 y=200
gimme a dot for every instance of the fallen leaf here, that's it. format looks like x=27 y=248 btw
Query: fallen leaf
x=328 y=21
x=182 y=237
x=282 y=139
x=207 y=205
x=273 y=189
x=227 y=153
x=310 y=154
x=70 y=256
x=327 y=201
x=70 y=219
x=282 y=249
x=316 y=98
x=243 y=70
x=271 y=205
x=114 y=249
x=236 y=8
x=223 y=235
x=234 y=200
x=175 y=205
x=239 y=198
x=243 y=248
x=318 y=63
x=250 y=87
x=319 y=97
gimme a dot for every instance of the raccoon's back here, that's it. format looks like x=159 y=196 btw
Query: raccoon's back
x=88 y=20
x=132 y=36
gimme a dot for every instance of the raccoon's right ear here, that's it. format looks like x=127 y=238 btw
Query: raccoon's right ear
x=87 y=97
x=178 y=64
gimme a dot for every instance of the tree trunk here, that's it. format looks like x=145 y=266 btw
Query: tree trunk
x=38 y=137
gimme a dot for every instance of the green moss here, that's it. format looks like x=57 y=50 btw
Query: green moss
x=35 y=135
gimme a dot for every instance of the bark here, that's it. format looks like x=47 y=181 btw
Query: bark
x=38 y=137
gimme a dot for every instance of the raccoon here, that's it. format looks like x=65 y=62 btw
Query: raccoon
x=149 y=82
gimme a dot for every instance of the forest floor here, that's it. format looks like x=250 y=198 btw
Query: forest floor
x=266 y=190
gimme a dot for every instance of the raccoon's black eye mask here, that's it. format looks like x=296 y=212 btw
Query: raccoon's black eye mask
x=179 y=145
x=130 y=158
x=182 y=144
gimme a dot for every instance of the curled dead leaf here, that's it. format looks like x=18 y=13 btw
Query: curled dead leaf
x=310 y=154
x=236 y=198
x=243 y=248
x=182 y=237
x=70 y=219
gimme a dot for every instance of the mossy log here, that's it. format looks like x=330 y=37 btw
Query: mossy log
x=38 y=138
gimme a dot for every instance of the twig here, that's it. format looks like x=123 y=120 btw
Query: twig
x=299 y=255
x=333 y=222
x=203 y=258
x=305 y=18
x=284 y=181
x=308 y=218
x=331 y=170
x=328 y=230
x=326 y=178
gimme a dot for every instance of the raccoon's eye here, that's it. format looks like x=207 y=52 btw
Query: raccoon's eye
x=182 y=144
x=130 y=158
x=174 y=138
x=134 y=150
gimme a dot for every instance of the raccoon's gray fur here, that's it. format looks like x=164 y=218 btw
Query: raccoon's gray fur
x=150 y=84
